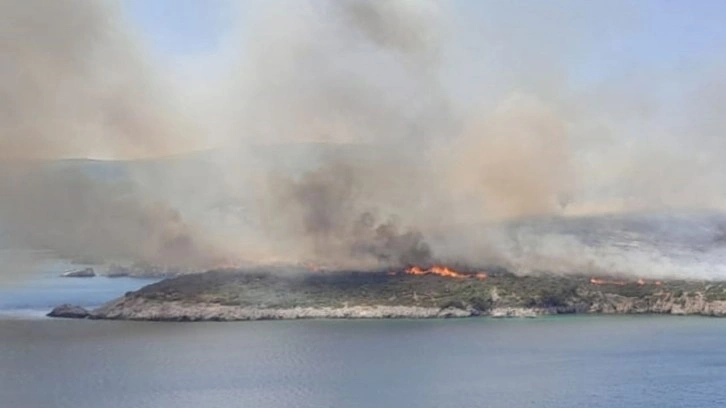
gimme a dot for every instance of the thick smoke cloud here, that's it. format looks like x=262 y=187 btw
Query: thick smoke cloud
x=354 y=133
x=361 y=77
x=448 y=154
x=323 y=211
x=83 y=219
x=75 y=84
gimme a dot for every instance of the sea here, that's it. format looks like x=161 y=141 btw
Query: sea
x=562 y=362
x=573 y=361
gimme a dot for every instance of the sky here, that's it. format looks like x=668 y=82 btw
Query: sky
x=592 y=42
x=647 y=70
x=634 y=32
x=180 y=27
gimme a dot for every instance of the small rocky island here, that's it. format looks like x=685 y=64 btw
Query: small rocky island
x=436 y=292
x=83 y=273
x=69 y=311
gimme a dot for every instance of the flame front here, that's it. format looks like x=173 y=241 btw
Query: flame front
x=312 y=267
x=416 y=270
x=596 y=281
x=444 y=271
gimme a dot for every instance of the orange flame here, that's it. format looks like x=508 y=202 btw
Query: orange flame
x=596 y=281
x=415 y=270
x=313 y=267
x=444 y=271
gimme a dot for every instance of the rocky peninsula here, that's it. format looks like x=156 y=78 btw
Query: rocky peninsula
x=228 y=295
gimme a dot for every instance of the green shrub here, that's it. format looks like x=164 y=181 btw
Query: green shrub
x=481 y=303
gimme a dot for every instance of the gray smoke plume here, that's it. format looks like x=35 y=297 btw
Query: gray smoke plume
x=360 y=78
x=75 y=84
x=526 y=143
x=323 y=210
x=354 y=133
x=80 y=218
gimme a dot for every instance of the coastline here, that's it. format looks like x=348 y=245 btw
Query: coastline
x=149 y=310
x=252 y=295
x=140 y=309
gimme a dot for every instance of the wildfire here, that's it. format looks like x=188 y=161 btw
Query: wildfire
x=444 y=271
x=312 y=267
x=596 y=281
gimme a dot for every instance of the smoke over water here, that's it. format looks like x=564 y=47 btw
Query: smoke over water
x=354 y=133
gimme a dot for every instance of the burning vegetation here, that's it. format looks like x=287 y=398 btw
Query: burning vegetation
x=444 y=271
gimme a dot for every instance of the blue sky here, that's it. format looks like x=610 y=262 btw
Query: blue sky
x=180 y=27
x=656 y=29
x=598 y=38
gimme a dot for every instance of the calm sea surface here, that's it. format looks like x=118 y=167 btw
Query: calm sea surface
x=549 y=362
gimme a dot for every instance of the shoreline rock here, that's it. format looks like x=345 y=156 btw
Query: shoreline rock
x=139 y=309
x=69 y=311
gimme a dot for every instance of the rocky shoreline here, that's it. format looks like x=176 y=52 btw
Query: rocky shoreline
x=140 y=309
x=144 y=310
